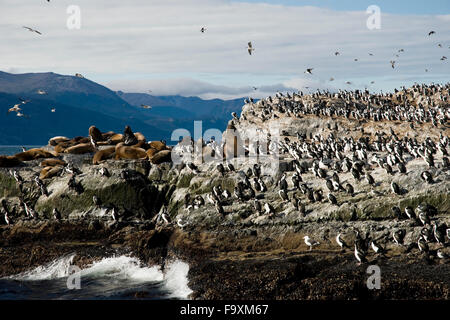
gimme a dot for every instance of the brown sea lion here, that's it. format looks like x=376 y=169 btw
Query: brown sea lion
x=103 y=155
x=50 y=172
x=95 y=133
x=139 y=136
x=116 y=138
x=80 y=149
x=126 y=152
x=61 y=147
x=53 y=162
x=162 y=156
x=9 y=161
x=56 y=140
x=151 y=152
x=35 y=153
x=158 y=145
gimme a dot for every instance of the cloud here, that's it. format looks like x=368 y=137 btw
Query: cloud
x=141 y=43
x=206 y=90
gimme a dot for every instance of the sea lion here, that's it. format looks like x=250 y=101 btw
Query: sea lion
x=80 y=149
x=103 y=155
x=158 y=145
x=59 y=148
x=57 y=140
x=126 y=152
x=9 y=161
x=107 y=135
x=95 y=134
x=139 y=136
x=33 y=154
x=162 y=156
x=53 y=162
x=129 y=138
x=141 y=144
x=50 y=172
x=151 y=152
x=116 y=138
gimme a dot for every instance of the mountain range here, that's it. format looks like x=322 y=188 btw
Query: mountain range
x=79 y=103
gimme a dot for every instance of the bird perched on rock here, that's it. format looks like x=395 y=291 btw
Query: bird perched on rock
x=219 y=208
x=395 y=188
x=377 y=248
x=221 y=169
x=41 y=186
x=257 y=206
x=426 y=176
x=332 y=199
x=283 y=195
x=397 y=212
x=398 y=236
x=359 y=255
x=193 y=168
x=56 y=214
x=341 y=243
x=350 y=190
x=310 y=242
x=410 y=212
x=269 y=209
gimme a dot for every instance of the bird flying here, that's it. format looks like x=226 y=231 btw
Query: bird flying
x=32 y=30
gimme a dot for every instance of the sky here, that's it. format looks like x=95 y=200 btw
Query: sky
x=155 y=46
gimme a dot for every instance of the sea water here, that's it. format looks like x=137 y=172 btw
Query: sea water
x=112 y=278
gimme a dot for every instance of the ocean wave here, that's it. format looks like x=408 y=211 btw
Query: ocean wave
x=121 y=268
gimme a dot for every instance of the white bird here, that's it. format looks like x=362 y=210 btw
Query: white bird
x=341 y=242
x=181 y=224
x=7 y=219
x=310 y=242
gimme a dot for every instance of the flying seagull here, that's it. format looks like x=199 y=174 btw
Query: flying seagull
x=370 y=54
x=250 y=48
x=32 y=30
x=444 y=58
x=309 y=70
x=53 y=110
x=203 y=29
x=431 y=32
x=255 y=88
x=331 y=79
x=41 y=92
x=337 y=53
x=392 y=64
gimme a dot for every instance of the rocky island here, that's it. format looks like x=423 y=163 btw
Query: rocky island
x=302 y=194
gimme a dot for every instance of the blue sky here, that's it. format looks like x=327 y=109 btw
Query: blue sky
x=389 y=6
x=142 y=45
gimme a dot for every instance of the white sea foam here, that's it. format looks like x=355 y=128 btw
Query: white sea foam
x=58 y=268
x=174 y=279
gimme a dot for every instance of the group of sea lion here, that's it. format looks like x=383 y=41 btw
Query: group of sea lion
x=108 y=145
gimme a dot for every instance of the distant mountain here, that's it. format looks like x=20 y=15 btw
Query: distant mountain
x=80 y=103
x=201 y=109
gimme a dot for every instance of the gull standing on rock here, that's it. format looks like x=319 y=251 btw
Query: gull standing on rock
x=310 y=242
